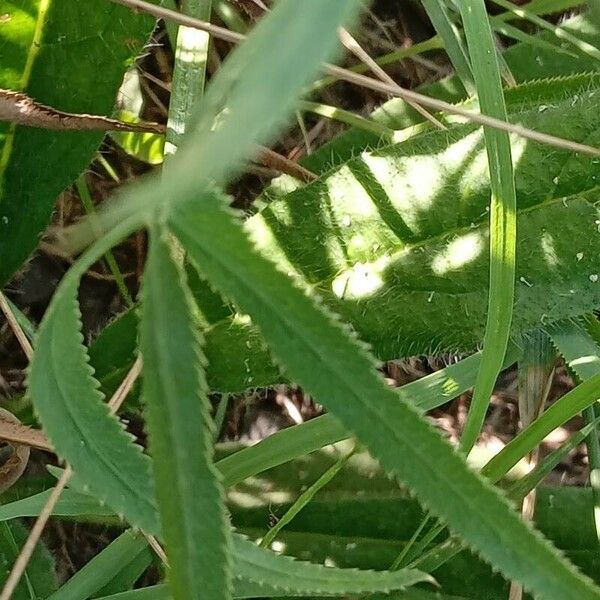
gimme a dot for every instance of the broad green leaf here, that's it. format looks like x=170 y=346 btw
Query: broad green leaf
x=71 y=56
x=337 y=371
x=102 y=568
x=188 y=492
x=395 y=258
x=71 y=409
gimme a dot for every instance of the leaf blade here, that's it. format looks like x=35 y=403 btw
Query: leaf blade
x=317 y=354
x=187 y=485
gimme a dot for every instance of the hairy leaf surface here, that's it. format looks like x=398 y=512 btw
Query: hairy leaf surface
x=395 y=241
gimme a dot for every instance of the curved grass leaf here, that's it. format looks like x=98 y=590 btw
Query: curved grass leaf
x=262 y=573
x=71 y=56
x=179 y=424
x=160 y=592
x=283 y=573
x=424 y=394
x=75 y=417
x=340 y=374
x=571 y=404
x=502 y=208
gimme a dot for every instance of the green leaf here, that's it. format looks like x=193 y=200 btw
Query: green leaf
x=453 y=42
x=39 y=579
x=189 y=495
x=71 y=56
x=502 y=208
x=159 y=592
x=222 y=138
x=341 y=375
x=71 y=408
x=102 y=568
x=526 y=64
x=71 y=504
x=395 y=259
x=265 y=568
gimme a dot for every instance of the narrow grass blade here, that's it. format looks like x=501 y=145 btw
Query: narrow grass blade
x=424 y=394
x=582 y=355
x=304 y=499
x=559 y=413
x=503 y=224
x=453 y=42
x=189 y=72
x=102 y=568
x=559 y=32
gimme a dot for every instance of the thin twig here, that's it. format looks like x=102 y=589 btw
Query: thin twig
x=353 y=46
x=370 y=83
x=274 y=160
x=38 y=527
x=16 y=328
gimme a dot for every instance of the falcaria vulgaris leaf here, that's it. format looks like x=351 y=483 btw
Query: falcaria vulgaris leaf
x=72 y=57
x=264 y=569
x=319 y=355
x=74 y=415
x=188 y=489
